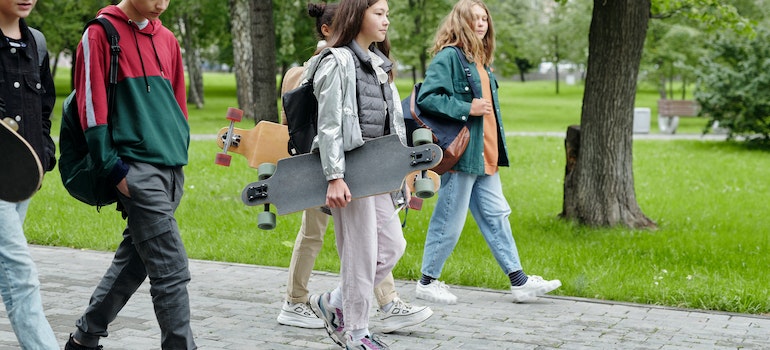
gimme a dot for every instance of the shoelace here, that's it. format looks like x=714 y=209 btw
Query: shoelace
x=442 y=285
x=399 y=304
x=536 y=278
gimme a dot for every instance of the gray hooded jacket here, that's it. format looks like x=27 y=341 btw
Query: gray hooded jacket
x=334 y=84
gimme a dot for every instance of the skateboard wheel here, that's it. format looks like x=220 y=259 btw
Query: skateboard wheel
x=266 y=220
x=265 y=170
x=422 y=136
x=223 y=159
x=234 y=114
x=423 y=188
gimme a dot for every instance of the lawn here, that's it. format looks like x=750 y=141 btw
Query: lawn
x=710 y=251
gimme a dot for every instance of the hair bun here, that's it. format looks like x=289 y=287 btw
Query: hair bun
x=316 y=10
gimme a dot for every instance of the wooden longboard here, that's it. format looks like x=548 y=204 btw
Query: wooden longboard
x=22 y=173
x=265 y=143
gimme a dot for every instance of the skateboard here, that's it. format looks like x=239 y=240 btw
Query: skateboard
x=380 y=166
x=267 y=142
x=22 y=173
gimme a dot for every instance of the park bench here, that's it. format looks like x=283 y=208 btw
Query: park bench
x=669 y=112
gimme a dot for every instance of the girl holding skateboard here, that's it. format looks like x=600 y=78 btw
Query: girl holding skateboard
x=395 y=313
x=357 y=101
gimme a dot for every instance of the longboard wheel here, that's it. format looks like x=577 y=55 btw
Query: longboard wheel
x=424 y=188
x=266 y=220
x=11 y=123
x=266 y=170
x=422 y=136
x=223 y=159
x=234 y=114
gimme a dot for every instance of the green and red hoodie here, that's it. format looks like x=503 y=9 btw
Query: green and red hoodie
x=149 y=121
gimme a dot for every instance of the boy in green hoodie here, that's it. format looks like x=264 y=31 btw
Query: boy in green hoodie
x=143 y=148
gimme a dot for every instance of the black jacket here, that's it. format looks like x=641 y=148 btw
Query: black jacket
x=27 y=88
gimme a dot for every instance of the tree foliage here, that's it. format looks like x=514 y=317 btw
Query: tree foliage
x=733 y=86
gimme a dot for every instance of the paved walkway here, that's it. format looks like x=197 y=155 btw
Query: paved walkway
x=235 y=305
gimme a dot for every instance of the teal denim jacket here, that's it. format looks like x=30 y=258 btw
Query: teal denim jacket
x=445 y=92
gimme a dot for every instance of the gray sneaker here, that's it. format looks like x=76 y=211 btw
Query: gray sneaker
x=299 y=315
x=331 y=316
x=402 y=314
x=369 y=342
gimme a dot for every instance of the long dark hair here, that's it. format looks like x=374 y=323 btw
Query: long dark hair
x=323 y=14
x=347 y=24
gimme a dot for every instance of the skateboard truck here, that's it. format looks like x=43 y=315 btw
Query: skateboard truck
x=265 y=219
x=256 y=192
x=423 y=156
x=234 y=115
x=424 y=183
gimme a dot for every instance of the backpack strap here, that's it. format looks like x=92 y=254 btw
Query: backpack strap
x=42 y=49
x=467 y=69
x=114 y=39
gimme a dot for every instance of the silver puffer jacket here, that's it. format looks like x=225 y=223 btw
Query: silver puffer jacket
x=334 y=85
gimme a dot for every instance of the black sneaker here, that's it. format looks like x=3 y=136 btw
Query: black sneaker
x=72 y=345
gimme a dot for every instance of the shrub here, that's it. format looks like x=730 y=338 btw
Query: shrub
x=733 y=85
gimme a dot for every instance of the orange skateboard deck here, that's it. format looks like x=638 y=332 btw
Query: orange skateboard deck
x=22 y=173
x=267 y=142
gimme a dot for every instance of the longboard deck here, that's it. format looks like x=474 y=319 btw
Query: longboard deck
x=22 y=172
x=377 y=167
x=267 y=142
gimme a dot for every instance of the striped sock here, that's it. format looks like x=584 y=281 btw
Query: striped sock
x=426 y=280
x=518 y=278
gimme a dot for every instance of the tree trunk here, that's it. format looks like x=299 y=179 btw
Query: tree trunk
x=263 y=51
x=192 y=60
x=240 y=20
x=603 y=193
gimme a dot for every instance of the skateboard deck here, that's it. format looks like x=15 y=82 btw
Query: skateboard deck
x=267 y=142
x=22 y=173
x=379 y=166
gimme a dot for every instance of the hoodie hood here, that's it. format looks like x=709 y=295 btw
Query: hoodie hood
x=116 y=14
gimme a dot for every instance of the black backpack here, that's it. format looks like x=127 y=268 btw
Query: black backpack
x=78 y=174
x=301 y=108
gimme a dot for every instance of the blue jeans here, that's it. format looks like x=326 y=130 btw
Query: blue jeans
x=19 y=284
x=483 y=195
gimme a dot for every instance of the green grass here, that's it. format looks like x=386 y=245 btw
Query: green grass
x=710 y=251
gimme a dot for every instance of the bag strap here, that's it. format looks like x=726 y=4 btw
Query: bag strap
x=42 y=48
x=467 y=69
x=324 y=53
x=114 y=39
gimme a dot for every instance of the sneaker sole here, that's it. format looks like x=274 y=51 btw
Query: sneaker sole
x=429 y=297
x=316 y=307
x=520 y=297
x=288 y=320
x=412 y=320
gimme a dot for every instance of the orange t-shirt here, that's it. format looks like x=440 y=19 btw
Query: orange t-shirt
x=490 y=125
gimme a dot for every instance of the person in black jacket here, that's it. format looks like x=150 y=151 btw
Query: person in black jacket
x=27 y=97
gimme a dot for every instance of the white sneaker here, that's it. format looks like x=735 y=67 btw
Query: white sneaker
x=299 y=315
x=437 y=292
x=402 y=314
x=534 y=287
